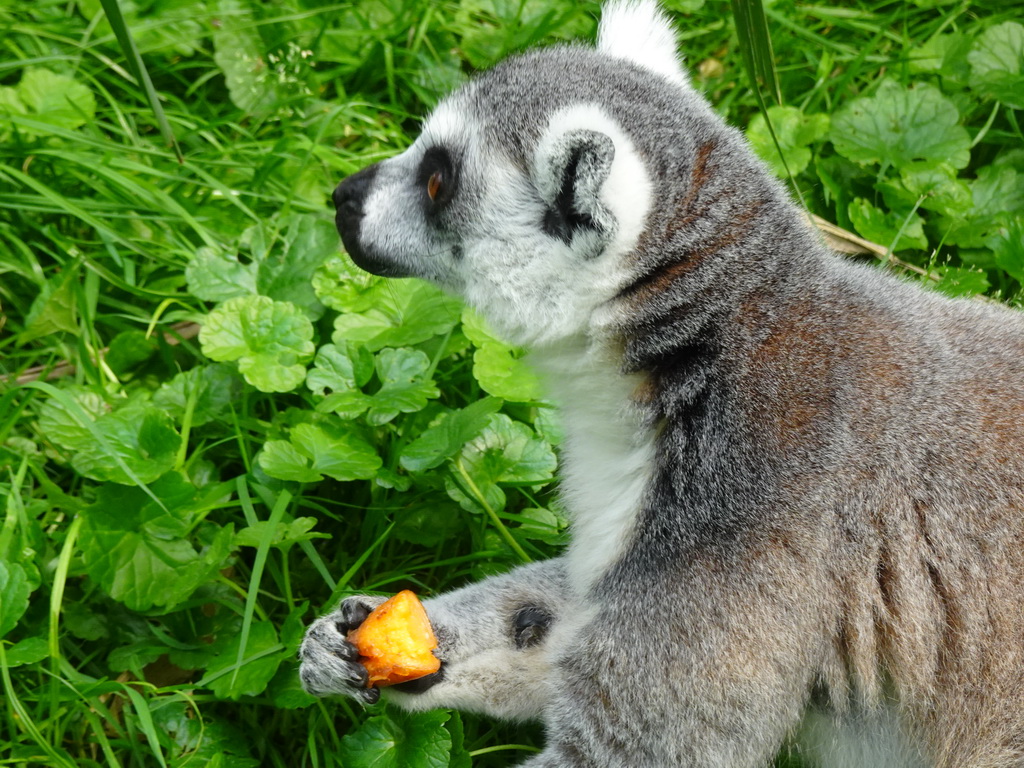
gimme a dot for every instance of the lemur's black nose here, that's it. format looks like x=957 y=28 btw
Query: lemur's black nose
x=349 y=197
x=349 y=200
x=350 y=194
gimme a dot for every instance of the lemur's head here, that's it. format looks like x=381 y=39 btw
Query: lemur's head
x=530 y=185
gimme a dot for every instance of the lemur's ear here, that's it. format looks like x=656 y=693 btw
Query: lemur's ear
x=638 y=31
x=572 y=170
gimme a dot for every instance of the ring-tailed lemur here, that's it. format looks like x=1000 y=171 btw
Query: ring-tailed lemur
x=796 y=484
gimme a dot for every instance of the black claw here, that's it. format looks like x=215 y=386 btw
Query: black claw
x=370 y=695
x=353 y=613
x=358 y=676
x=347 y=652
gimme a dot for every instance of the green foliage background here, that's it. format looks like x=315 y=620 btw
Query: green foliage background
x=176 y=508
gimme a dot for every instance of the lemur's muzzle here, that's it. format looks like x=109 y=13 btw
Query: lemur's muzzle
x=349 y=200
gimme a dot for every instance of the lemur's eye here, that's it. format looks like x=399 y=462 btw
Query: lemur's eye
x=529 y=626
x=434 y=185
x=438 y=177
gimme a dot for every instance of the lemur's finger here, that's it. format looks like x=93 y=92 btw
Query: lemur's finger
x=353 y=613
x=346 y=650
x=369 y=695
x=357 y=675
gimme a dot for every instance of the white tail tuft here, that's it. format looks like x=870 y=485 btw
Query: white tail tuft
x=638 y=31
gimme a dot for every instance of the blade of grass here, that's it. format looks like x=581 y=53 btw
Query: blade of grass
x=24 y=718
x=138 y=69
x=756 y=49
x=276 y=513
x=146 y=722
x=759 y=62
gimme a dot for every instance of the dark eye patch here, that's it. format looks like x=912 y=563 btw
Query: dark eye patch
x=530 y=625
x=437 y=160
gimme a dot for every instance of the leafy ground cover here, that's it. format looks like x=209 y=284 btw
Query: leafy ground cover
x=179 y=503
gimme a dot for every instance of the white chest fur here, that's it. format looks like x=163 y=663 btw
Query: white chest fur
x=607 y=457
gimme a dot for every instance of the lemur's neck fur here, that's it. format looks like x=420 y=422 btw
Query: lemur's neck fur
x=608 y=455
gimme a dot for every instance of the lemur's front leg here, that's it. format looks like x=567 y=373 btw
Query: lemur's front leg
x=492 y=642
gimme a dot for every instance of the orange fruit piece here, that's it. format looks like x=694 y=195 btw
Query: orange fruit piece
x=395 y=641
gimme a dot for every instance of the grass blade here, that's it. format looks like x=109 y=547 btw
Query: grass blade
x=756 y=49
x=138 y=69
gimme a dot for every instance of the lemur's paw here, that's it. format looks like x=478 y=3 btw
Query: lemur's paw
x=330 y=663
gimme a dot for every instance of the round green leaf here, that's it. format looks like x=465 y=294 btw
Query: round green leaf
x=315 y=450
x=137 y=551
x=898 y=126
x=14 y=592
x=997 y=63
x=271 y=340
x=506 y=451
x=399 y=740
x=795 y=132
x=56 y=99
x=498 y=367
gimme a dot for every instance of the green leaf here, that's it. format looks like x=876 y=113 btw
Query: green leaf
x=281 y=459
x=1008 y=246
x=263 y=654
x=55 y=308
x=429 y=524
x=898 y=126
x=143 y=437
x=959 y=281
x=407 y=313
x=283 y=255
x=756 y=48
x=271 y=340
x=286 y=272
x=56 y=99
x=403 y=373
x=997 y=64
x=285 y=689
x=214 y=275
x=399 y=740
x=342 y=371
x=213 y=388
x=997 y=196
x=446 y=438
x=10 y=102
x=498 y=367
x=203 y=741
x=938 y=185
x=460 y=757
x=405 y=385
x=317 y=450
x=240 y=53
x=998 y=190
x=542 y=525
x=882 y=227
x=27 y=651
x=129 y=349
x=137 y=66
x=506 y=451
x=285 y=534
x=84 y=621
x=137 y=551
x=14 y=592
x=794 y=130
x=58 y=424
x=342 y=286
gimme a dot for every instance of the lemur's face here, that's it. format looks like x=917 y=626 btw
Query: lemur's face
x=526 y=213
